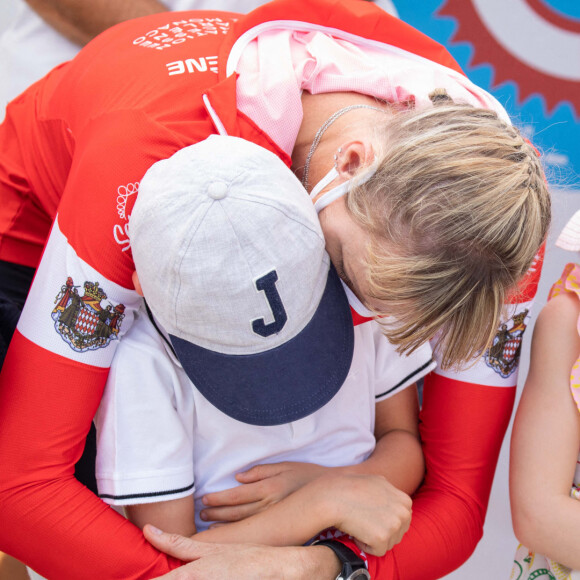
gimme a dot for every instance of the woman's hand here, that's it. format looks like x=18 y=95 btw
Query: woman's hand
x=263 y=486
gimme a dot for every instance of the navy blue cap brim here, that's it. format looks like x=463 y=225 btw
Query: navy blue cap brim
x=286 y=383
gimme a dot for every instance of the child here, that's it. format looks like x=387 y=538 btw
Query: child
x=546 y=435
x=164 y=439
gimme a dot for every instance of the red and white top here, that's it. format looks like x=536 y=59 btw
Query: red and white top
x=79 y=141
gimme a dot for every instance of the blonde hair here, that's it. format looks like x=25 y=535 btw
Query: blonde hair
x=457 y=210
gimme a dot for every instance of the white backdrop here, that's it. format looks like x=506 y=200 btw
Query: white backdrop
x=7 y=10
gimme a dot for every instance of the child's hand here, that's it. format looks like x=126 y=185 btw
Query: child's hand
x=368 y=508
x=263 y=485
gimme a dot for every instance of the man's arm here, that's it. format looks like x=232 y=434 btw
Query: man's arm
x=241 y=561
x=462 y=430
x=81 y=21
x=49 y=519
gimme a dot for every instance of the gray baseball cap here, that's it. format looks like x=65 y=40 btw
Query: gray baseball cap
x=232 y=262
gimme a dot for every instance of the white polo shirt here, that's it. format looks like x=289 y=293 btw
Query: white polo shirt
x=158 y=438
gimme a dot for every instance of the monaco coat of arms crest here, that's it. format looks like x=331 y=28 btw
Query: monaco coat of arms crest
x=504 y=353
x=81 y=320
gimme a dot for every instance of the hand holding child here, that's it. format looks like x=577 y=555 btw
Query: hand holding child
x=242 y=561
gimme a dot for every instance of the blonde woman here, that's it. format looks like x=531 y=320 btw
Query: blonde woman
x=437 y=213
x=432 y=216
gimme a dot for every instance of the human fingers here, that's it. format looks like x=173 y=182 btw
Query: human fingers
x=239 y=495
x=390 y=534
x=371 y=510
x=387 y=529
x=278 y=480
x=179 y=547
x=218 y=525
x=259 y=472
x=381 y=539
x=362 y=546
x=198 y=570
x=231 y=513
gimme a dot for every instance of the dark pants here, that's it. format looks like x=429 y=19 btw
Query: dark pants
x=15 y=281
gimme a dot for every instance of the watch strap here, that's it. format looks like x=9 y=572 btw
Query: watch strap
x=353 y=566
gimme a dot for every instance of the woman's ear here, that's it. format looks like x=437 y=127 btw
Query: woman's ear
x=136 y=283
x=353 y=156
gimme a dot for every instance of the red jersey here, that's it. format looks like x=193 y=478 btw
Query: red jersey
x=77 y=144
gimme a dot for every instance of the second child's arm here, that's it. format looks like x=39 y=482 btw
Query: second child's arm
x=546 y=439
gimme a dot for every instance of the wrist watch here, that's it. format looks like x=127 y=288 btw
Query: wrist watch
x=353 y=567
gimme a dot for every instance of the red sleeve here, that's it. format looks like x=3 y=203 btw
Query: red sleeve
x=462 y=427
x=79 y=306
x=49 y=520
x=463 y=421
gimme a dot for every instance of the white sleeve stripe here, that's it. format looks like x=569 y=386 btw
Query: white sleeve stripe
x=150 y=494
x=408 y=378
x=499 y=369
x=87 y=334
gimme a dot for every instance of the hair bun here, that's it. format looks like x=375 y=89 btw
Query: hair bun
x=440 y=97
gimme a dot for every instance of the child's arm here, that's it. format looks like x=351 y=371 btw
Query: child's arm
x=368 y=508
x=144 y=434
x=318 y=495
x=377 y=515
x=310 y=506
x=397 y=456
x=176 y=515
x=546 y=439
